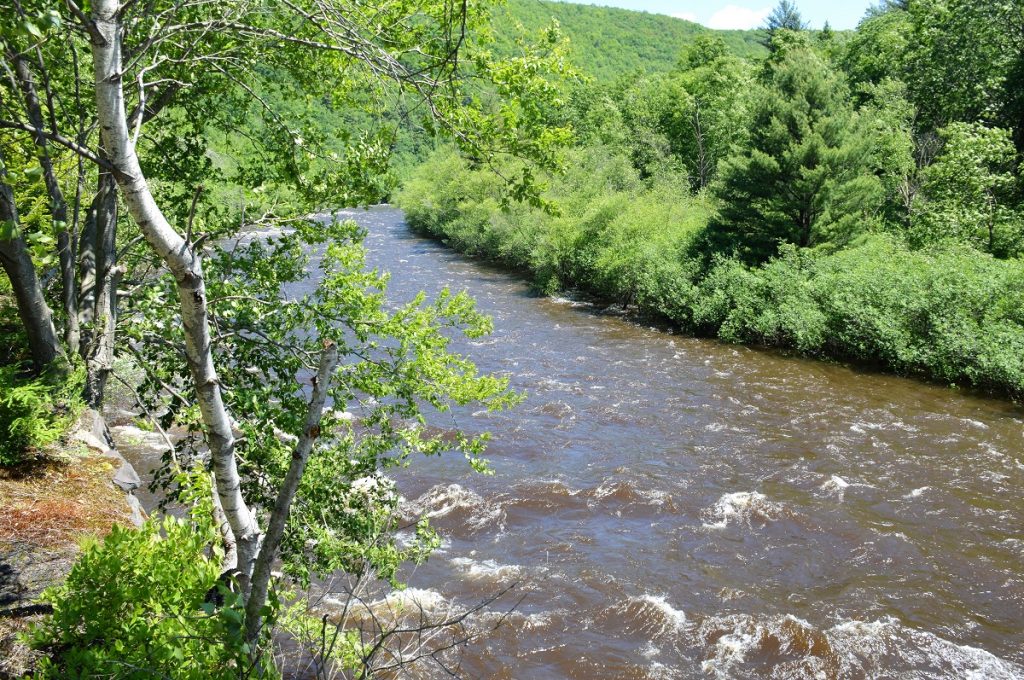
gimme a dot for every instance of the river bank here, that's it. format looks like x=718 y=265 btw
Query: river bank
x=947 y=313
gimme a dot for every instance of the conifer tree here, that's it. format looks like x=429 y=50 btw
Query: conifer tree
x=785 y=17
x=804 y=178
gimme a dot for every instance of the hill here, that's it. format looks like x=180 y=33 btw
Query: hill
x=608 y=43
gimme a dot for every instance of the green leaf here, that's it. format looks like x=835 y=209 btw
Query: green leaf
x=31 y=29
x=8 y=230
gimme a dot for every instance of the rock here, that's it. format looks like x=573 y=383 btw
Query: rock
x=138 y=516
x=93 y=442
x=26 y=570
x=284 y=437
x=130 y=436
x=126 y=478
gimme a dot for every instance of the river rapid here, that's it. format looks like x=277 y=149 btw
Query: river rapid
x=676 y=508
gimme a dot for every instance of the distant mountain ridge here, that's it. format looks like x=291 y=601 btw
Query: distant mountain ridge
x=608 y=43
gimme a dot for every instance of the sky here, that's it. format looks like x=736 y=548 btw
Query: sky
x=747 y=13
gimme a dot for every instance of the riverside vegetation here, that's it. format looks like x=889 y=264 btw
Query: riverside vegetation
x=850 y=195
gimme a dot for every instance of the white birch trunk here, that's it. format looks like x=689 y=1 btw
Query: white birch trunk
x=186 y=267
x=286 y=494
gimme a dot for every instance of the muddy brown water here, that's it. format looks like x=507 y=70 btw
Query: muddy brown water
x=673 y=507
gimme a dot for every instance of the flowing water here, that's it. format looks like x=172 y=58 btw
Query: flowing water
x=673 y=507
x=676 y=507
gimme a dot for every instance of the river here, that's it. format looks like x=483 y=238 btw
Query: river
x=677 y=507
x=674 y=507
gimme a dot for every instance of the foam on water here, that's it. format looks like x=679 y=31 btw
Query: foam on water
x=414 y=598
x=743 y=646
x=454 y=500
x=674 y=618
x=650 y=615
x=486 y=569
x=629 y=493
x=741 y=507
x=837 y=486
x=869 y=646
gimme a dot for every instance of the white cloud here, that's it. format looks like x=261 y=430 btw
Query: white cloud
x=732 y=16
x=688 y=16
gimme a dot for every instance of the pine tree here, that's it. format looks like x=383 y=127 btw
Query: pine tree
x=785 y=17
x=805 y=177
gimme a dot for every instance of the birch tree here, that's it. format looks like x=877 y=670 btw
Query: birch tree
x=226 y=353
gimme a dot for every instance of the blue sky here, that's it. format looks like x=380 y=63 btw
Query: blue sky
x=747 y=13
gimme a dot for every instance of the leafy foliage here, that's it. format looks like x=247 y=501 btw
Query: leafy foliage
x=134 y=606
x=34 y=411
x=969 y=192
x=398 y=370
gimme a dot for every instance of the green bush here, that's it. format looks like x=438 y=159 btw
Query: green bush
x=34 y=412
x=134 y=606
x=947 y=312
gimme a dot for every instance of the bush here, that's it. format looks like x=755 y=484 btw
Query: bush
x=34 y=412
x=134 y=606
x=946 y=312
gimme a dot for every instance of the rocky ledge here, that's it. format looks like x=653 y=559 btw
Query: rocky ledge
x=79 y=489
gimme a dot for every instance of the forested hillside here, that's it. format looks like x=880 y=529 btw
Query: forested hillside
x=607 y=42
x=856 y=198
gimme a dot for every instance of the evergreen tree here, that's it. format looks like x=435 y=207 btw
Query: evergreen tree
x=805 y=176
x=785 y=17
x=827 y=35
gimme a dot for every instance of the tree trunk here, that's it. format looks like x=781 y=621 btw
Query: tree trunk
x=703 y=162
x=286 y=495
x=87 y=278
x=106 y=276
x=58 y=206
x=186 y=267
x=28 y=293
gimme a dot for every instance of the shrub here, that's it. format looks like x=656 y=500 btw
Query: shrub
x=134 y=606
x=34 y=412
x=947 y=312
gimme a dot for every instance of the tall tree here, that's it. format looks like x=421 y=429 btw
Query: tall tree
x=710 y=115
x=960 y=56
x=420 y=48
x=970 y=192
x=784 y=17
x=33 y=309
x=804 y=177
